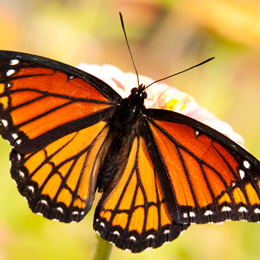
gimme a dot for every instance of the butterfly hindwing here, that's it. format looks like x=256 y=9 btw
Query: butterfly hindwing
x=213 y=179
x=132 y=213
x=59 y=180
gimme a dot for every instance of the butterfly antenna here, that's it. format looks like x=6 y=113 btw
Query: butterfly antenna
x=205 y=61
x=123 y=27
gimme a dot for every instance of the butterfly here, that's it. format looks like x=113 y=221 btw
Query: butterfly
x=158 y=171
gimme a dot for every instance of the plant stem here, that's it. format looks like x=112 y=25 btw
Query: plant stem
x=103 y=249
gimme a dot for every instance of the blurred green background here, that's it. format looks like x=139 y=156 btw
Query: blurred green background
x=165 y=37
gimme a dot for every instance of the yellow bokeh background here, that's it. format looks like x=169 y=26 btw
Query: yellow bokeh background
x=165 y=37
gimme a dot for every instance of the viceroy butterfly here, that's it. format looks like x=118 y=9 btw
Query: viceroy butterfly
x=159 y=171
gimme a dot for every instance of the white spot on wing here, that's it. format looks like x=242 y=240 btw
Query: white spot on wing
x=242 y=174
x=21 y=174
x=150 y=236
x=31 y=188
x=10 y=72
x=102 y=224
x=185 y=215
x=246 y=164
x=208 y=212
x=167 y=231
x=14 y=62
x=116 y=233
x=39 y=213
x=257 y=211
x=132 y=238
x=4 y=122
x=192 y=214
x=44 y=202
x=59 y=209
x=242 y=209
x=75 y=213
x=197 y=133
x=225 y=208
x=14 y=136
x=19 y=157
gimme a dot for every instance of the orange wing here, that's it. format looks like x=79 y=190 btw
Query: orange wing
x=55 y=117
x=210 y=177
x=39 y=104
x=59 y=181
x=132 y=213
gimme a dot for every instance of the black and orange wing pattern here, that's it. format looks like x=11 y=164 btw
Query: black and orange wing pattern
x=210 y=177
x=132 y=213
x=159 y=171
x=47 y=109
x=179 y=172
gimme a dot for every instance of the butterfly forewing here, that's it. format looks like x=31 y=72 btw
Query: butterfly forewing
x=33 y=96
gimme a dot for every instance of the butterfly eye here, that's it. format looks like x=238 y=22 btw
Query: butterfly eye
x=144 y=95
x=134 y=90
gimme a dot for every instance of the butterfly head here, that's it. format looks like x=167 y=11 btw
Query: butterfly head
x=139 y=93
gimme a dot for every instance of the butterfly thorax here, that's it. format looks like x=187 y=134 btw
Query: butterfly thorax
x=124 y=127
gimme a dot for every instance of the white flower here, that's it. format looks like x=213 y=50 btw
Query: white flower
x=160 y=95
